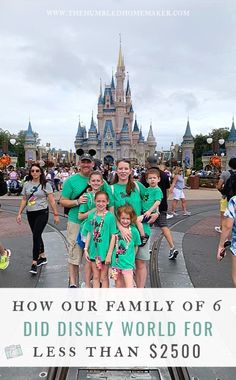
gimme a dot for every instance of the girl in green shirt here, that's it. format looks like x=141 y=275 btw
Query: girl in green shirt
x=122 y=258
x=100 y=239
x=95 y=182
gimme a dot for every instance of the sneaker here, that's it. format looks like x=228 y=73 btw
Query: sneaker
x=187 y=213
x=72 y=286
x=144 y=240
x=173 y=254
x=218 y=229
x=33 y=269
x=169 y=216
x=42 y=261
x=174 y=213
x=4 y=259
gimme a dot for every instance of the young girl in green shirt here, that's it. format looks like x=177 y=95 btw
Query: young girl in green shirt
x=100 y=239
x=95 y=182
x=122 y=258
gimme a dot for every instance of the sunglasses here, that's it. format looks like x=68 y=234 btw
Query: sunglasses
x=35 y=171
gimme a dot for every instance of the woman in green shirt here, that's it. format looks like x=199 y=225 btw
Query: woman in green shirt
x=126 y=190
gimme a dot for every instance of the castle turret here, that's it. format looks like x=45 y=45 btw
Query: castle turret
x=187 y=147
x=80 y=138
x=100 y=98
x=30 y=145
x=230 y=143
x=135 y=132
x=128 y=95
x=151 y=141
x=113 y=88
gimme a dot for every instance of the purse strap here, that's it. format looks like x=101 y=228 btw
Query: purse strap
x=33 y=192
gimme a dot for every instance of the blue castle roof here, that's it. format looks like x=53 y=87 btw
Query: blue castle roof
x=232 y=133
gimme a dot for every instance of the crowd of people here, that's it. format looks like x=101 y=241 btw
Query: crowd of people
x=110 y=214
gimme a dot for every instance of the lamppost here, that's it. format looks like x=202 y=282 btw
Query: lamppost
x=214 y=161
x=63 y=158
x=210 y=141
x=172 y=147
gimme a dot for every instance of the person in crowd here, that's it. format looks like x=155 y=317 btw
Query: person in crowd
x=100 y=239
x=122 y=259
x=37 y=196
x=161 y=222
x=5 y=254
x=57 y=179
x=150 y=203
x=228 y=226
x=222 y=181
x=95 y=183
x=126 y=190
x=73 y=196
x=176 y=188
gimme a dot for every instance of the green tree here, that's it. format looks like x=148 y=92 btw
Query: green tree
x=200 y=146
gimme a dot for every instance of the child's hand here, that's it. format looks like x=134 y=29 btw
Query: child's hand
x=86 y=254
x=108 y=259
x=153 y=218
x=147 y=214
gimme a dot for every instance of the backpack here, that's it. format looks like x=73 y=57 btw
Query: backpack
x=229 y=189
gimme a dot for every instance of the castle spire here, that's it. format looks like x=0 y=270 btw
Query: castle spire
x=100 y=98
x=232 y=133
x=112 y=81
x=150 y=136
x=188 y=137
x=128 y=91
x=120 y=58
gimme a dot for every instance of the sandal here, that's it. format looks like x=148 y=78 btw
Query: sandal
x=144 y=240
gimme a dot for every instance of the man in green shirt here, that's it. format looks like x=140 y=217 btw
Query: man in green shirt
x=72 y=187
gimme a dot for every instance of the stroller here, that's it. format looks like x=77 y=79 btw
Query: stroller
x=14 y=187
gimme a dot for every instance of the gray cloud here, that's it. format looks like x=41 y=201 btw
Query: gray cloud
x=51 y=65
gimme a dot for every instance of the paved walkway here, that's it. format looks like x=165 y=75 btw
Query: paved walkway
x=194 y=237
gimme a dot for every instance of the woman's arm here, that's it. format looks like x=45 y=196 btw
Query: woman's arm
x=21 y=209
x=125 y=232
x=173 y=183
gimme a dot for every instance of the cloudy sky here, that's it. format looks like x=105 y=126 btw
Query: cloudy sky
x=181 y=59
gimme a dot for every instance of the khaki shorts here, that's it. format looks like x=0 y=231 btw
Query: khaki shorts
x=223 y=204
x=143 y=252
x=75 y=252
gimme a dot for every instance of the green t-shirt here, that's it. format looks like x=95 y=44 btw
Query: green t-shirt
x=123 y=256
x=151 y=196
x=84 y=207
x=120 y=198
x=104 y=229
x=72 y=187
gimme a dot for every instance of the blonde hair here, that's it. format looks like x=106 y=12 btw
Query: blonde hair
x=177 y=170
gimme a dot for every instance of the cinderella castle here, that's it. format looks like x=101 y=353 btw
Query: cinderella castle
x=116 y=135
